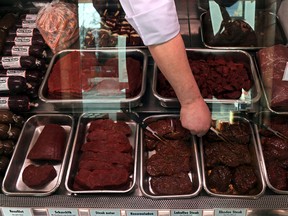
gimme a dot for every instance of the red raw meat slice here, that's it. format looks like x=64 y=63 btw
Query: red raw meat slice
x=109 y=124
x=102 y=179
x=103 y=146
x=100 y=165
x=107 y=136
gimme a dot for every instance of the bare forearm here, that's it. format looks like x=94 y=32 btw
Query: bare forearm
x=171 y=58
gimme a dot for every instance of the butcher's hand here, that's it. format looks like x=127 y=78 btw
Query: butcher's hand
x=196 y=117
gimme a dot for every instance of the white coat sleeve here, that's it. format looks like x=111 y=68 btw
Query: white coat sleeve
x=156 y=21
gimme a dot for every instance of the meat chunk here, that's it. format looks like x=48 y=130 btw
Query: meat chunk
x=38 y=176
x=277 y=175
x=179 y=183
x=109 y=124
x=244 y=179
x=159 y=164
x=50 y=144
x=219 y=179
x=100 y=135
x=103 y=146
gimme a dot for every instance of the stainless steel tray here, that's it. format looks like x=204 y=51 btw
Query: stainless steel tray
x=80 y=138
x=266 y=117
x=246 y=100
x=195 y=173
x=12 y=182
x=267 y=27
x=91 y=99
x=256 y=163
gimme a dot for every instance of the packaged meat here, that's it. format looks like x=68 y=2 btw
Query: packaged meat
x=16 y=103
x=21 y=62
x=8 y=21
x=25 y=40
x=58 y=24
x=33 y=50
x=273 y=66
x=24 y=32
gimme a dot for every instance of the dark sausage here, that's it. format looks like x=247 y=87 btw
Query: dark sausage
x=24 y=32
x=30 y=75
x=23 y=62
x=13 y=85
x=17 y=104
x=33 y=50
x=7 y=21
x=25 y=41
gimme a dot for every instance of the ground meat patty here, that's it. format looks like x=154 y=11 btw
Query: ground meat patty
x=102 y=179
x=219 y=178
x=38 y=176
x=159 y=164
x=244 y=179
x=179 y=183
x=109 y=124
x=50 y=144
x=174 y=147
x=277 y=175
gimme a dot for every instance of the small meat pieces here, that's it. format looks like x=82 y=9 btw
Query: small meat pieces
x=102 y=179
x=244 y=179
x=219 y=178
x=38 y=176
x=109 y=124
x=50 y=144
x=159 y=164
x=179 y=183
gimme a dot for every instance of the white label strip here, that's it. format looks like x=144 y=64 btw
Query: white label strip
x=285 y=75
x=16 y=211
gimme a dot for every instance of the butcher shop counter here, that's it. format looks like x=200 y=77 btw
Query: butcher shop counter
x=135 y=203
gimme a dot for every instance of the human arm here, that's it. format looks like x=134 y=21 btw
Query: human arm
x=166 y=46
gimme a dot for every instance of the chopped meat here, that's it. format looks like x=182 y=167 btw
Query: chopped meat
x=219 y=178
x=179 y=183
x=244 y=179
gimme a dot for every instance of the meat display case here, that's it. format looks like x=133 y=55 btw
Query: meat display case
x=135 y=203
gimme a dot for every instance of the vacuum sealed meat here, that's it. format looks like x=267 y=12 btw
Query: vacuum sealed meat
x=58 y=24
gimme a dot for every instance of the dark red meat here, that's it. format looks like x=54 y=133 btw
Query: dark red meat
x=109 y=124
x=219 y=179
x=38 y=176
x=102 y=146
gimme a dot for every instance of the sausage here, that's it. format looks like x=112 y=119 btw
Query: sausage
x=17 y=104
x=4 y=162
x=30 y=75
x=33 y=91
x=24 y=62
x=24 y=32
x=7 y=21
x=26 y=24
x=13 y=85
x=25 y=41
x=3 y=35
x=8 y=117
x=33 y=50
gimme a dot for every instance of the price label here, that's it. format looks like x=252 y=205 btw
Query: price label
x=230 y=212
x=16 y=211
x=141 y=213
x=63 y=212
x=103 y=212
x=186 y=212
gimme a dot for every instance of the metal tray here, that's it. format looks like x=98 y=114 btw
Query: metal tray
x=265 y=117
x=267 y=27
x=195 y=174
x=246 y=100
x=12 y=182
x=80 y=138
x=256 y=162
x=91 y=100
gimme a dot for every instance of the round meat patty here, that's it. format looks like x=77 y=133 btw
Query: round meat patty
x=219 y=178
x=177 y=184
x=38 y=176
